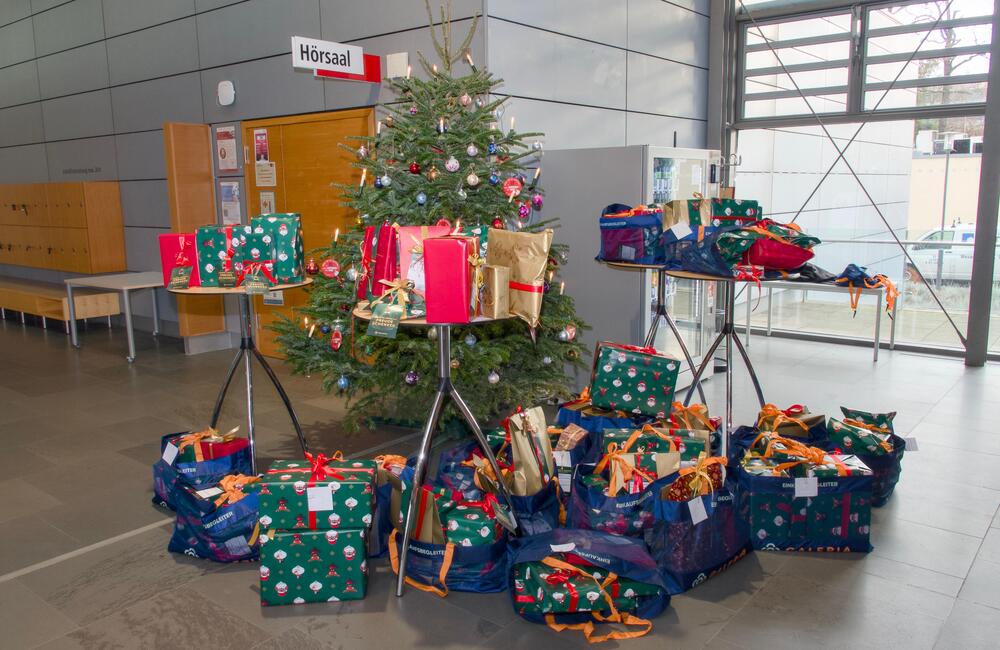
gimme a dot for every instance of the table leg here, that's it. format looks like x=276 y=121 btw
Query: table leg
x=770 y=304
x=22 y=318
x=709 y=355
x=225 y=385
x=892 y=325
x=127 y=304
x=71 y=307
x=156 y=312
x=729 y=327
x=45 y=323
x=687 y=355
x=878 y=328
x=749 y=291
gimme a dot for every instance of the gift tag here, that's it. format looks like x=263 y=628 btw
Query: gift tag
x=806 y=487
x=566 y=482
x=170 y=453
x=385 y=320
x=256 y=284
x=180 y=277
x=237 y=545
x=227 y=279
x=319 y=498
x=911 y=444
x=208 y=493
x=504 y=517
x=681 y=229
x=697 y=508
x=563 y=548
x=562 y=458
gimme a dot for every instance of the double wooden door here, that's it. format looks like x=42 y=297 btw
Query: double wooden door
x=308 y=163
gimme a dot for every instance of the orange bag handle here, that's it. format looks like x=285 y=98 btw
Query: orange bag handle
x=449 y=553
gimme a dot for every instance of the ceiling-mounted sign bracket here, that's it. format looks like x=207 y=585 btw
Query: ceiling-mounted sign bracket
x=331 y=60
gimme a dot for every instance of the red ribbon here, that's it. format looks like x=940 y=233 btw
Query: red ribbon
x=632 y=348
x=251 y=268
x=562 y=577
x=794 y=410
x=530 y=288
x=181 y=258
x=319 y=470
x=487 y=503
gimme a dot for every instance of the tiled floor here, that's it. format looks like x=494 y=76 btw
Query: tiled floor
x=83 y=561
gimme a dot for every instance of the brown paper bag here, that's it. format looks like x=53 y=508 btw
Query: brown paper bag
x=526 y=254
x=428 y=527
x=531 y=451
x=496 y=291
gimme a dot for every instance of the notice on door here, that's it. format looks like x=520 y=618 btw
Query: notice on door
x=264 y=174
x=267 y=203
x=225 y=148
x=260 y=147
x=229 y=193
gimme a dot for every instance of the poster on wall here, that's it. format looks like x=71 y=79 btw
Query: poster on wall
x=225 y=148
x=267 y=203
x=265 y=175
x=260 y=147
x=229 y=192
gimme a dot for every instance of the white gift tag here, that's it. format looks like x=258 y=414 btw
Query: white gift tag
x=681 y=229
x=911 y=444
x=561 y=458
x=319 y=498
x=170 y=453
x=806 y=487
x=697 y=508
x=566 y=482
x=562 y=548
x=237 y=545
x=208 y=493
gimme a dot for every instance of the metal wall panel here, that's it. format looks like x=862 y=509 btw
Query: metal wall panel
x=255 y=29
x=140 y=156
x=154 y=52
x=263 y=88
x=78 y=70
x=656 y=130
x=25 y=164
x=666 y=30
x=148 y=104
x=344 y=20
x=596 y=20
x=129 y=15
x=666 y=88
x=21 y=125
x=11 y=10
x=78 y=116
x=88 y=159
x=145 y=204
x=42 y=5
x=19 y=84
x=142 y=248
x=68 y=25
x=566 y=126
x=208 y=5
x=17 y=43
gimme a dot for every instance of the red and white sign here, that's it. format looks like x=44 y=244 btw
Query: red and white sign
x=335 y=60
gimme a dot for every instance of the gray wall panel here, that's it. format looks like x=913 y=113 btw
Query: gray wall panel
x=667 y=30
x=140 y=155
x=89 y=159
x=19 y=84
x=154 y=52
x=572 y=17
x=666 y=88
x=148 y=104
x=11 y=10
x=42 y=5
x=701 y=6
x=78 y=116
x=561 y=67
x=263 y=88
x=17 y=43
x=21 y=125
x=24 y=164
x=145 y=204
x=254 y=29
x=69 y=25
x=142 y=250
x=656 y=130
x=566 y=126
x=78 y=70
x=129 y=15
x=348 y=19
x=206 y=5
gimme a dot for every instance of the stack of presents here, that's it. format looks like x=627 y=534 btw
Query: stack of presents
x=265 y=253
x=621 y=503
x=452 y=275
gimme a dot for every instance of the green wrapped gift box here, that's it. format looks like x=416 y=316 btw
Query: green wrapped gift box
x=545 y=590
x=217 y=248
x=339 y=494
x=471 y=524
x=856 y=440
x=285 y=232
x=312 y=566
x=636 y=380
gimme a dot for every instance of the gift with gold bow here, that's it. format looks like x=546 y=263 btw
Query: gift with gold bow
x=793 y=422
x=208 y=444
x=218 y=522
x=526 y=254
x=692 y=418
x=886 y=467
x=399 y=292
x=856 y=437
x=318 y=492
x=200 y=461
x=704 y=477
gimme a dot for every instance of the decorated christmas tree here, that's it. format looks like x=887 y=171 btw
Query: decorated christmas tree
x=442 y=153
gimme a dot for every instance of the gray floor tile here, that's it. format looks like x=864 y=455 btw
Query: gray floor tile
x=990 y=550
x=970 y=627
x=26 y=619
x=292 y=640
x=18 y=461
x=28 y=540
x=845 y=571
x=924 y=546
x=734 y=587
x=982 y=585
x=20 y=498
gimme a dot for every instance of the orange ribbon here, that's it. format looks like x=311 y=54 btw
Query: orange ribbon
x=620 y=472
x=777 y=417
x=206 y=435
x=794 y=448
x=232 y=488
x=697 y=411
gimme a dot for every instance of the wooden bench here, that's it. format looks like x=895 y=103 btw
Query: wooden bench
x=48 y=300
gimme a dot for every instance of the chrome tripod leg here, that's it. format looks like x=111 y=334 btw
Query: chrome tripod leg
x=687 y=355
x=709 y=356
x=750 y=369
x=225 y=387
x=284 y=398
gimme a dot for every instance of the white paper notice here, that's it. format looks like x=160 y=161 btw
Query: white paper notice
x=696 y=175
x=274 y=298
x=267 y=203
x=911 y=444
x=681 y=229
x=562 y=548
x=697 y=508
x=225 y=148
x=208 y=493
x=265 y=174
x=229 y=195
x=561 y=458
x=319 y=498
x=806 y=487
x=170 y=453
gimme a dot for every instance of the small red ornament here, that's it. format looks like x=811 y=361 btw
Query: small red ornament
x=498 y=223
x=570 y=332
x=414 y=168
x=336 y=340
x=512 y=187
x=444 y=223
x=329 y=269
x=311 y=267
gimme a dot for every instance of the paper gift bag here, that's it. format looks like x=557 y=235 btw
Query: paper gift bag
x=495 y=300
x=177 y=250
x=367 y=264
x=526 y=254
x=411 y=253
x=531 y=451
x=428 y=527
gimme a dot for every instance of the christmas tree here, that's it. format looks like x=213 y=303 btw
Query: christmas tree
x=440 y=152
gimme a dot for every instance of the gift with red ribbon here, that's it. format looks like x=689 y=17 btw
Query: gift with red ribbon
x=208 y=444
x=178 y=250
x=217 y=246
x=526 y=254
x=639 y=381
x=318 y=493
x=473 y=523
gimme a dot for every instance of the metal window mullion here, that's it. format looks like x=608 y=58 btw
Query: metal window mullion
x=928 y=54
x=786 y=94
x=799 y=67
x=795 y=42
x=924 y=82
x=859 y=49
x=739 y=83
x=921 y=27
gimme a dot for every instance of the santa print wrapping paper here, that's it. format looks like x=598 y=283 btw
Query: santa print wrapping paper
x=179 y=250
x=698 y=214
x=285 y=233
x=217 y=247
x=336 y=494
x=471 y=524
x=449 y=278
x=312 y=566
x=257 y=257
x=857 y=440
x=411 y=253
x=543 y=589
x=636 y=380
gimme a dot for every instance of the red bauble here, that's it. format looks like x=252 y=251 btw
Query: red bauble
x=512 y=186
x=443 y=223
x=311 y=267
x=414 y=168
x=336 y=340
x=330 y=268
x=498 y=223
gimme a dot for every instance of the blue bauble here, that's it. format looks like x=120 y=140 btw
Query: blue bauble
x=491 y=148
x=494 y=178
x=421 y=198
x=343 y=382
x=470 y=339
x=325 y=329
x=378 y=182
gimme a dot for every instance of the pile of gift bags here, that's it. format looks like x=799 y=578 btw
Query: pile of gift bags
x=265 y=253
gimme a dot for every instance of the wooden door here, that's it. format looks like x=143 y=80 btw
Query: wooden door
x=309 y=161
x=191 y=190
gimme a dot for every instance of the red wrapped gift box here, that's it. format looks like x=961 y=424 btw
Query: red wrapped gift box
x=448 y=274
x=179 y=250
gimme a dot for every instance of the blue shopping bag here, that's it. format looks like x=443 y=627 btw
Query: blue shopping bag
x=228 y=532
x=591 y=509
x=168 y=478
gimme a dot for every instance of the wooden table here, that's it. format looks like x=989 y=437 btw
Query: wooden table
x=247 y=351
x=445 y=389
x=123 y=282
